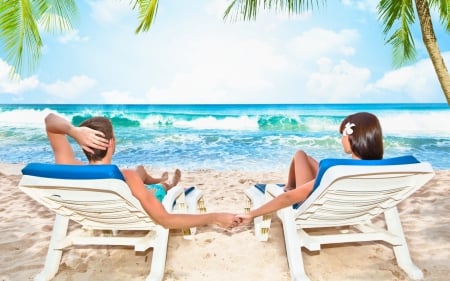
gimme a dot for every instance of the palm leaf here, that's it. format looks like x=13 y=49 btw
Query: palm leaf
x=247 y=9
x=398 y=16
x=146 y=13
x=58 y=15
x=443 y=6
x=19 y=35
x=19 y=32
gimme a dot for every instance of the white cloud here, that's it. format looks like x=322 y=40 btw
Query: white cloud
x=342 y=82
x=318 y=42
x=76 y=86
x=216 y=7
x=109 y=11
x=15 y=85
x=419 y=81
x=72 y=36
x=120 y=97
x=364 y=5
x=219 y=69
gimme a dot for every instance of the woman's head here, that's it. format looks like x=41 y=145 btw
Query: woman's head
x=101 y=124
x=364 y=134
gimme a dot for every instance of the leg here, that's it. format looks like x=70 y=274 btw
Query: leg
x=303 y=169
x=147 y=178
x=175 y=180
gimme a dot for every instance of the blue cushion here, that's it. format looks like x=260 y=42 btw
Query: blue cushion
x=80 y=172
x=325 y=164
x=188 y=190
x=262 y=186
x=64 y=171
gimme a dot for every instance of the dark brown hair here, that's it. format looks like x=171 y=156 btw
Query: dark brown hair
x=101 y=124
x=366 y=141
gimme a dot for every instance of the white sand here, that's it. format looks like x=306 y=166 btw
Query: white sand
x=217 y=254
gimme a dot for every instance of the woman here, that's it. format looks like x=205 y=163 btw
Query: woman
x=362 y=138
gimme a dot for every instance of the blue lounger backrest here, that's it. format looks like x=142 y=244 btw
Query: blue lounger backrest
x=325 y=164
x=65 y=171
x=78 y=172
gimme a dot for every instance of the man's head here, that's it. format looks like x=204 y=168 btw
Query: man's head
x=104 y=125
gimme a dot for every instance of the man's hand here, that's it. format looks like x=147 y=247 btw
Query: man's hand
x=89 y=138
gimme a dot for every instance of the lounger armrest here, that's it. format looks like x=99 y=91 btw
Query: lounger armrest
x=274 y=190
x=172 y=195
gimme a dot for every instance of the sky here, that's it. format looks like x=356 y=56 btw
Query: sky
x=191 y=55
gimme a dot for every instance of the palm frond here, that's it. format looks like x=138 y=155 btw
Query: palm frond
x=443 y=6
x=19 y=35
x=147 y=10
x=57 y=15
x=398 y=16
x=247 y=9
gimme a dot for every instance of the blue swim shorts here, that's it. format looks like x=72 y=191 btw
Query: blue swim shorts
x=159 y=190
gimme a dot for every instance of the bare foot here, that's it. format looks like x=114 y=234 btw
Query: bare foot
x=164 y=176
x=176 y=178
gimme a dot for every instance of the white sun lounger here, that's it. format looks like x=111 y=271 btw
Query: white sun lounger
x=348 y=193
x=97 y=197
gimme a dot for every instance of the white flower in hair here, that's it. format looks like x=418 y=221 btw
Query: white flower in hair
x=348 y=129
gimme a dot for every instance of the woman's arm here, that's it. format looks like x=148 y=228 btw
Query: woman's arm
x=285 y=199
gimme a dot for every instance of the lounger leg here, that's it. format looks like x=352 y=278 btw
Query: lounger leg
x=54 y=253
x=159 y=255
x=293 y=247
x=261 y=223
x=195 y=204
x=401 y=251
x=262 y=227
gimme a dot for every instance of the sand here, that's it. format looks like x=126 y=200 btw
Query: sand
x=218 y=254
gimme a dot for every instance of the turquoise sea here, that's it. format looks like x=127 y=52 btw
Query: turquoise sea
x=229 y=137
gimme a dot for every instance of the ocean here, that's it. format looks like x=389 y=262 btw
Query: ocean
x=229 y=137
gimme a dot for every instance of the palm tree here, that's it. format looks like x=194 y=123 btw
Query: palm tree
x=21 y=22
x=393 y=14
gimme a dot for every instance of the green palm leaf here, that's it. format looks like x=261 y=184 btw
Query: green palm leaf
x=399 y=16
x=146 y=13
x=19 y=30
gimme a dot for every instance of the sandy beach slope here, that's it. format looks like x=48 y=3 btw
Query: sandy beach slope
x=217 y=254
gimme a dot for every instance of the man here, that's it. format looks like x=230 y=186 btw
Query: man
x=96 y=138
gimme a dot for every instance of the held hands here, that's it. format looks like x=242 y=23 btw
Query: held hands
x=226 y=220
x=244 y=219
x=88 y=138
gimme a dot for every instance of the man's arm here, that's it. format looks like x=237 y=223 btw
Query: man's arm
x=58 y=129
x=159 y=214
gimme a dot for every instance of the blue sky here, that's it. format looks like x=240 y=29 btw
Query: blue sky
x=335 y=54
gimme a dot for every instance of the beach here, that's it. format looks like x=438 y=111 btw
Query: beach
x=219 y=254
